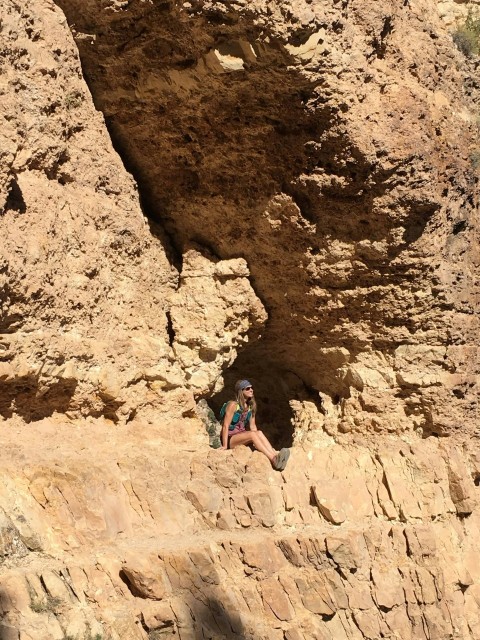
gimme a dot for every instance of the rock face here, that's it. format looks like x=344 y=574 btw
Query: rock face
x=303 y=210
x=312 y=141
x=212 y=313
x=86 y=283
x=141 y=539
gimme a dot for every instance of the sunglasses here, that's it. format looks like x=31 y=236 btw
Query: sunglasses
x=248 y=388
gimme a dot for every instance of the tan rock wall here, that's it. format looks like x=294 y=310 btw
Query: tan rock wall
x=308 y=175
x=77 y=327
x=348 y=542
x=212 y=312
x=86 y=282
x=455 y=13
x=330 y=146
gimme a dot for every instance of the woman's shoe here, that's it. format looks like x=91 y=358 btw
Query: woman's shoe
x=281 y=459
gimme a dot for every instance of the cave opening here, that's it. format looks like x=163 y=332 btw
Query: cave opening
x=210 y=115
x=277 y=389
x=274 y=414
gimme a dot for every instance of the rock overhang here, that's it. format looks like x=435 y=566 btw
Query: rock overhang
x=323 y=168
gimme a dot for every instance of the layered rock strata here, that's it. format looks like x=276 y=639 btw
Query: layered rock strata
x=349 y=542
x=309 y=178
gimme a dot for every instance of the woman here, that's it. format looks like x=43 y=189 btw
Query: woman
x=237 y=416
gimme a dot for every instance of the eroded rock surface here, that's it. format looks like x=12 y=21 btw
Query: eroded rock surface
x=212 y=313
x=348 y=542
x=307 y=172
x=86 y=282
x=313 y=141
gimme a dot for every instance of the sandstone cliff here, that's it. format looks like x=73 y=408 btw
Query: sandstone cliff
x=193 y=192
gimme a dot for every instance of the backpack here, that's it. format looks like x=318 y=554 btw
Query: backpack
x=236 y=416
x=223 y=409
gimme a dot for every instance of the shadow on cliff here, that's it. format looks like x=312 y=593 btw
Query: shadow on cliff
x=208 y=112
x=203 y=616
x=25 y=397
x=212 y=620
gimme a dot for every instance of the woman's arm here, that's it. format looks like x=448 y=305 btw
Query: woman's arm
x=253 y=426
x=227 y=420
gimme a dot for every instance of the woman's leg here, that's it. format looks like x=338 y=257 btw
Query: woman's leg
x=265 y=442
x=280 y=459
x=254 y=437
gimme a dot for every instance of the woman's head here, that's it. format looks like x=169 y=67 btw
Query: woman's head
x=244 y=394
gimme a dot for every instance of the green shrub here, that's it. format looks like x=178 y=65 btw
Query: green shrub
x=467 y=36
x=211 y=423
x=87 y=635
x=158 y=634
x=45 y=605
x=475 y=159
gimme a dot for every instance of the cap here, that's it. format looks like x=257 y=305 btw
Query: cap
x=243 y=384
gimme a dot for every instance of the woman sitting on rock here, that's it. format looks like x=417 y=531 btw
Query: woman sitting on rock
x=239 y=426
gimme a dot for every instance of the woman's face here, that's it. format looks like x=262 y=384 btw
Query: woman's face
x=248 y=393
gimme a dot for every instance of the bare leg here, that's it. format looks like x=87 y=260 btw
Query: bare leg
x=254 y=437
x=265 y=442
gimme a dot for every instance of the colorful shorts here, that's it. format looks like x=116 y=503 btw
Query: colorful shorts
x=234 y=432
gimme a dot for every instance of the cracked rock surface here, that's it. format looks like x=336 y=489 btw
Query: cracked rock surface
x=195 y=192
x=311 y=140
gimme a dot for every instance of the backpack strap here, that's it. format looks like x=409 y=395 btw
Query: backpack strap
x=223 y=410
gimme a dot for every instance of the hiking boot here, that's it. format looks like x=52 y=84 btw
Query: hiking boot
x=281 y=459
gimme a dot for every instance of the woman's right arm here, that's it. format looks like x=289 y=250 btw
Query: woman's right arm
x=227 y=421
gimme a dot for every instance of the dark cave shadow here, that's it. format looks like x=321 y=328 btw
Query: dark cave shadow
x=247 y=129
x=243 y=142
x=332 y=209
x=273 y=410
x=22 y=397
x=274 y=388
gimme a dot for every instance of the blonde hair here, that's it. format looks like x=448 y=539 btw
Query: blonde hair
x=251 y=404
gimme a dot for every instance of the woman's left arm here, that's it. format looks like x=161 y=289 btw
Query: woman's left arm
x=253 y=426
